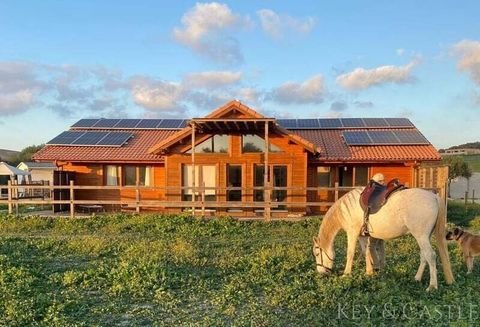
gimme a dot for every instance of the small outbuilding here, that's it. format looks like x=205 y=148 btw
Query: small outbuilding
x=40 y=172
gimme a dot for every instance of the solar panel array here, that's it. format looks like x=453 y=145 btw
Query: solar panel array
x=103 y=123
x=336 y=123
x=312 y=123
x=384 y=137
x=77 y=138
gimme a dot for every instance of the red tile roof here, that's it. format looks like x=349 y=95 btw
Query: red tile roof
x=328 y=142
x=335 y=149
x=135 y=151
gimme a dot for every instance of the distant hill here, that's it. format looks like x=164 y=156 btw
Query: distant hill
x=8 y=155
x=471 y=145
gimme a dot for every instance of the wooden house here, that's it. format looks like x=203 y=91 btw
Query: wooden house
x=221 y=158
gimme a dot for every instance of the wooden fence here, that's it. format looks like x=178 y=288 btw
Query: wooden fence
x=18 y=195
x=21 y=195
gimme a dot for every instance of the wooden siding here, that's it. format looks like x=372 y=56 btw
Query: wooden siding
x=92 y=174
x=293 y=156
x=404 y=172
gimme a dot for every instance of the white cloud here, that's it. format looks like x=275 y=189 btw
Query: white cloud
x=361 y=78
x=203 y=30
x=16 y=102
x=312 y=90
x=276 y=25
x=249 y=95
x=154 y=94
x=468 y=53
x=212 y=79
x=400 y=52
x=18 y=87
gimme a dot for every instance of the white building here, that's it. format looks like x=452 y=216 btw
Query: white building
x=39 y=171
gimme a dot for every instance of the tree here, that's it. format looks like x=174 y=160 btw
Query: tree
x=457 y=168
x=26 y=154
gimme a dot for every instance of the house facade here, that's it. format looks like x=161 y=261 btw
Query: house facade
x=220 y=159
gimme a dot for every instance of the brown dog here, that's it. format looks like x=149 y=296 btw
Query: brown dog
x=469 y=243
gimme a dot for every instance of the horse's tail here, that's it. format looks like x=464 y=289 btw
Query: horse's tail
x=442 y=242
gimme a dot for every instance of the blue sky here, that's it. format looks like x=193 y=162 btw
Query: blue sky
x=65 y=60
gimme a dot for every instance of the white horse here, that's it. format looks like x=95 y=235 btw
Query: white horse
x=416 y=211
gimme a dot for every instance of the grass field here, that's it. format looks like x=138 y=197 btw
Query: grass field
x=473 y=161
x=168 y=271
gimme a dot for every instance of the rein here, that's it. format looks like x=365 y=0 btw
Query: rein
x=321 y=260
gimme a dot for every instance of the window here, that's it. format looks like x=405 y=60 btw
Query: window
x=111 y=175
x=215 y=144
x=252 y=143
x=257 y=182
x=130 y=175
x=361 y=175
x=204 y=176
x=323 y=176
x=234 y=179
x=279 y=180
x=353 y=175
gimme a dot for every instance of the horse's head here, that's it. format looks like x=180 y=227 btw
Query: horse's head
x=323 y=257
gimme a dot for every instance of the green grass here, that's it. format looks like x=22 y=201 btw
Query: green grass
x=130 y=270
x=473 y=161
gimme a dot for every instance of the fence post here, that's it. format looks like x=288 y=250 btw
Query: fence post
x=137 y=197
x=336 y=191
x=72 y=199
x=466 y=199
x=473 y=196
x=203 y=199
x=10 y=206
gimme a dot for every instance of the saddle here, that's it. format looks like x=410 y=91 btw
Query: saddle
x=375 y=195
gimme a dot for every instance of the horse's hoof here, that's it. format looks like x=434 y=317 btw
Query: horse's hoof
x=431 y=288
x=418 y=279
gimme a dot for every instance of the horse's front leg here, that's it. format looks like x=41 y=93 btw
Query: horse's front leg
x=368 y=252
x=352 y=243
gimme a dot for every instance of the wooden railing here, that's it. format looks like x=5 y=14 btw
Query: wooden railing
x=18 y=195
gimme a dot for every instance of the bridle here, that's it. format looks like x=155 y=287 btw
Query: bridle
x=459 y=235
x=329 y=270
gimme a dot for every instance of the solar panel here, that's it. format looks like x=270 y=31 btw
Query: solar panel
x=106 y=123
x=148 y=123
x=375 y=122
x=89 y=138
x=383 y=137
x=330 y=123
x=307 y=123
x=287 y=123
x=170 y=123
x=115 y=139
x=399 y=122
x=85 y=123
x=353 y=122
x=411 y=137
x=184 y=123
x=357 y=138
x=127 y=123
x=65 y=138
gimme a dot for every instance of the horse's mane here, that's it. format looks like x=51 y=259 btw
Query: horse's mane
x=331 y=220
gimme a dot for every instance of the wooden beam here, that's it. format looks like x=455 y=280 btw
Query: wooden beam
x=193 y=168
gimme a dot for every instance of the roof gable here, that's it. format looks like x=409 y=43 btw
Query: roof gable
x=236 y=113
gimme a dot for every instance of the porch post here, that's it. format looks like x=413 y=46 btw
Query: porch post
x=193 y=169
x=10 y=190
x=266 y=179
